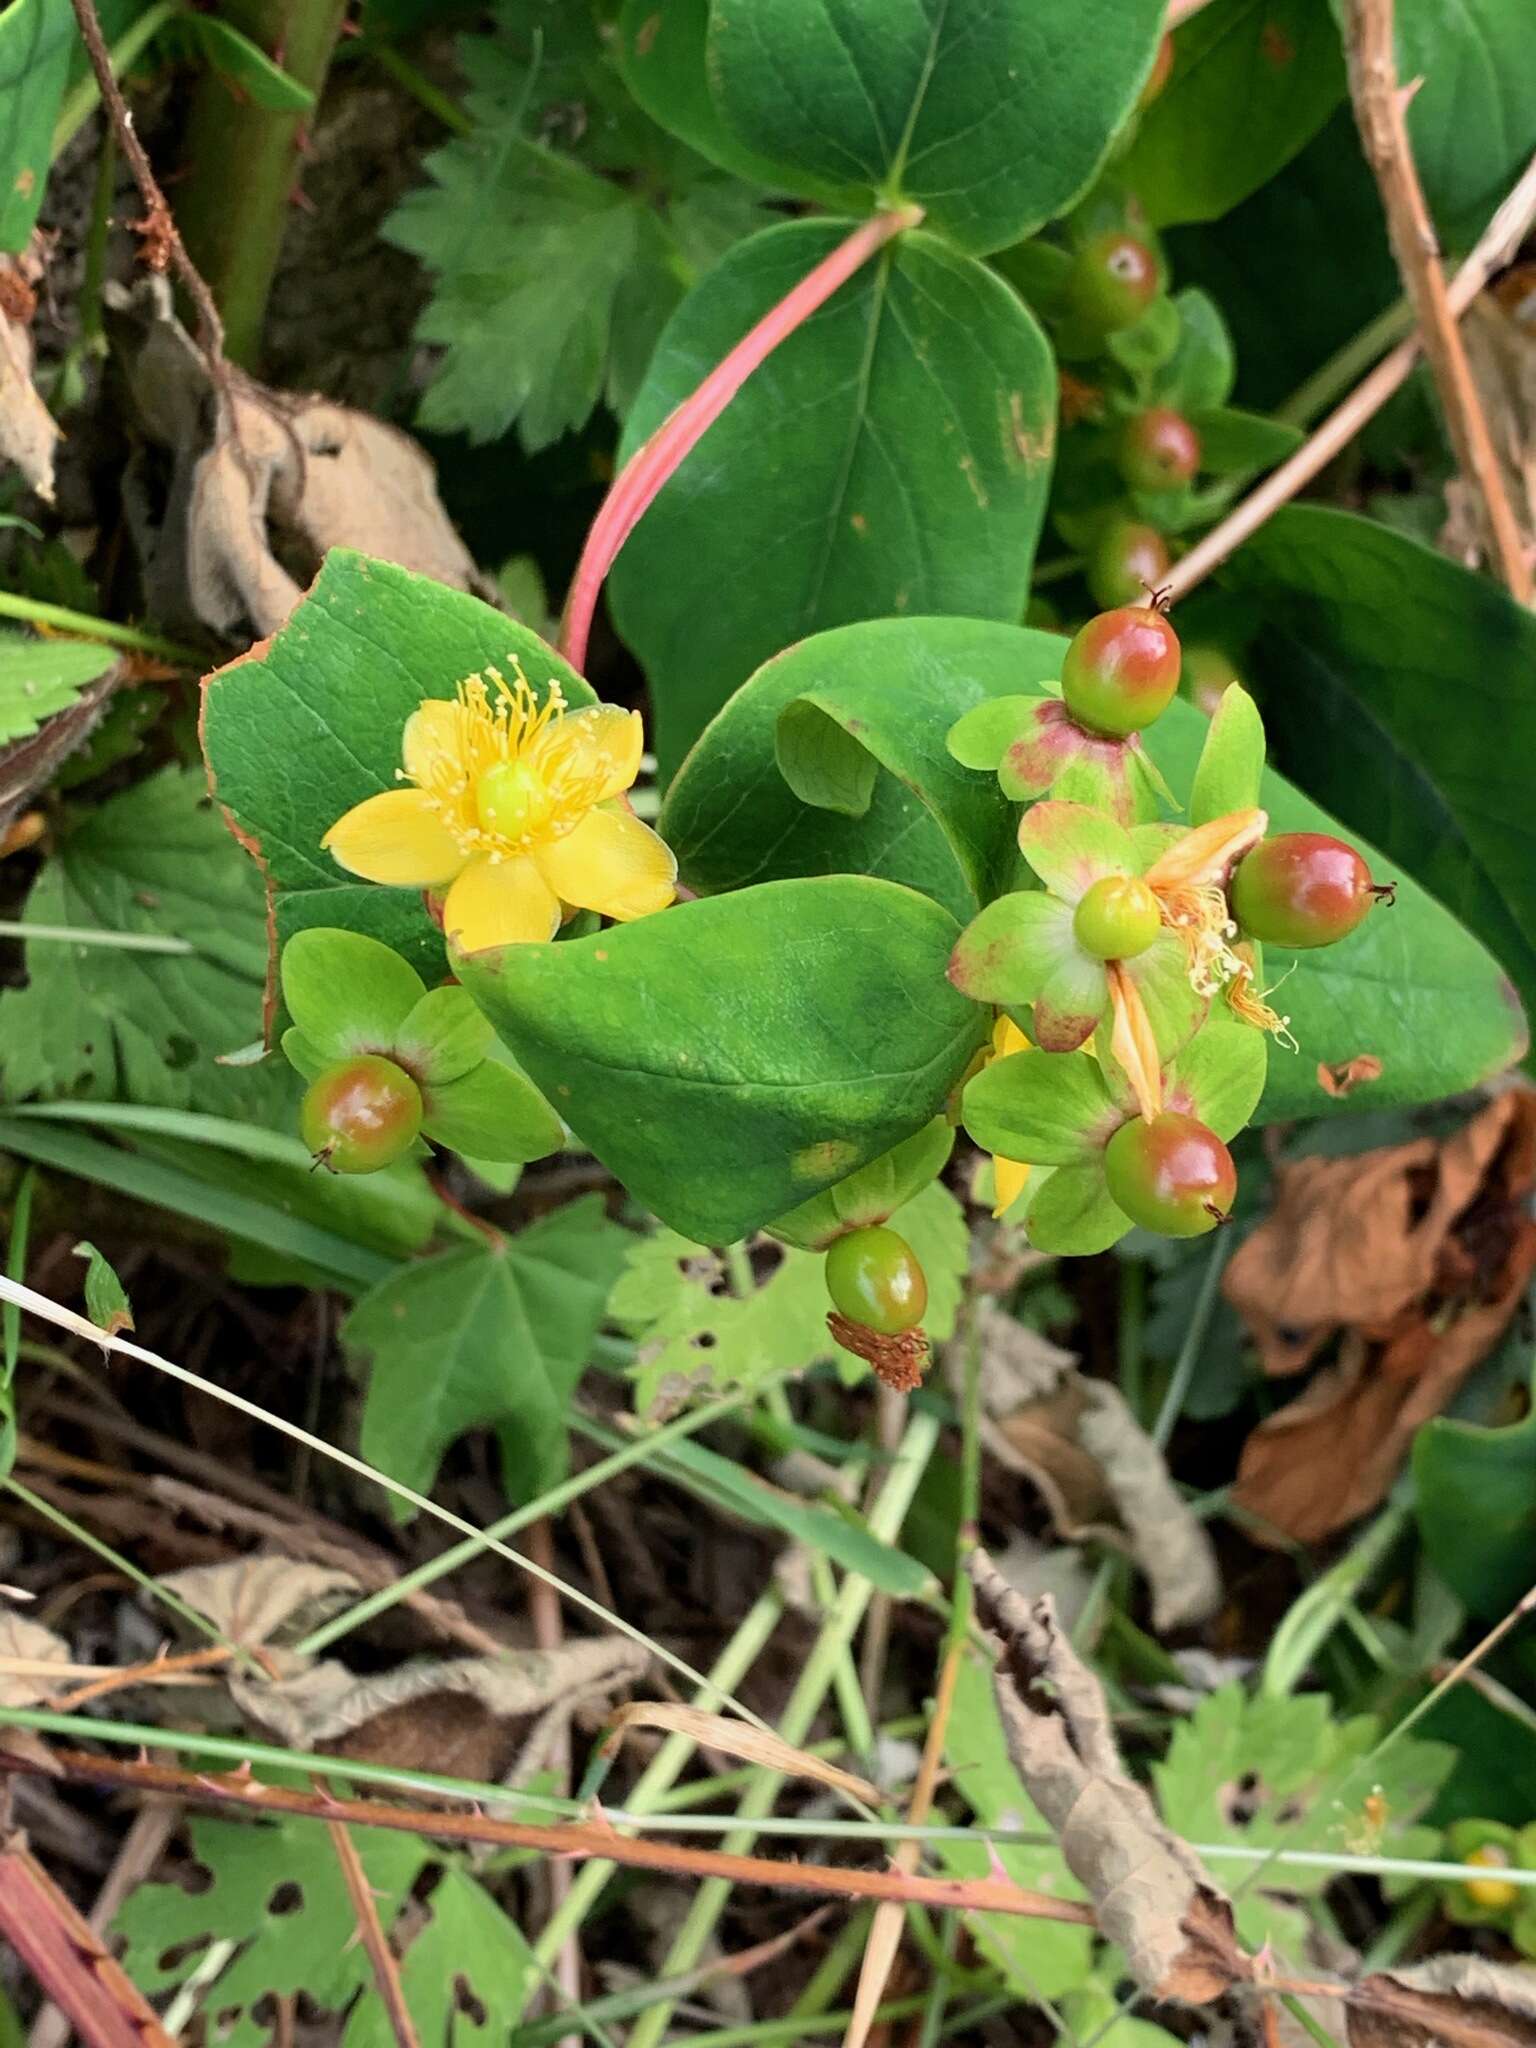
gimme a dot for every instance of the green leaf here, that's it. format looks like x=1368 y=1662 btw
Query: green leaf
x=106 y=1300
x=1039 y=1958
x=1305 y=1780
x=891 y=456
x=311 y=725
x=489 y=1335
x=248 y=66
x=728 y=1058
x=1396 y=686
x=468 y=1946
x=40 y=677
x=660 y=49
x=145 y=1027
x=347 y=993
x=874 y=1193
x=1231 y=768
x=286 y=1944
x=732 y=819
x=1231 y=440
x=1472 y=117
x=1475 y=1500
x=1047 y=1108
x=1252 y=82
x=444 y=1038
x=493 y=1113
x=36 y=38
x=991 y=118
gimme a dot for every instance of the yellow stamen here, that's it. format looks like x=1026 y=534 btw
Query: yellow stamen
x=1249 y=1007
x=1132 y=1041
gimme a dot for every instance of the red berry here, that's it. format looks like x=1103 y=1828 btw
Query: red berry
x=1206 y=673
x=1112 y=282
x=874 y=1278
x=361 y=1114
x=1159 y=450
x=1301 y=889
x=1116 y=918
x=1127 y=562
x=1157 y=77
x=1171 y=1175
x=1120 y=671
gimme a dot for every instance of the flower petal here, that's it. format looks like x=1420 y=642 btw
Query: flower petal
x=1071 y=846
x=611 y=863
x=432 y=736
x=600 y=741
x=500 y=903
x=1007 y=1038
x=1208 y=853
x=1008 y=1178
x=396 y=837
x=1132 y=1042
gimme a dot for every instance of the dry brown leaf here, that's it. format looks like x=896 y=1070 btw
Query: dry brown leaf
x=1100 y=1475
x=1149 y=1890
x=1409 y=1261
x=1345 y=1076
x=735 y=1737
x=1448 y=2002
x=28 y=434
x=266 y=1599
x=489 y=1718
x=29 y=1643
x=262 y=484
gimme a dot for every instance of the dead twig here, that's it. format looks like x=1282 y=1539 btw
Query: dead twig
x=386 y=1971
x=1380 y=114
x=549 y=1635
x=153 y=1825
x=1494 y=249
x=65 y=1954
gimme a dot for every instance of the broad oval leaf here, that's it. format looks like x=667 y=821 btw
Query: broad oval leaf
x=729 y=1058
x=892 y=456
x=309 y=723
x=1252 y=82
x=993 y=118
x=660 y=48
x=893 y=688
x=1475 y=1500
x=1472 y=117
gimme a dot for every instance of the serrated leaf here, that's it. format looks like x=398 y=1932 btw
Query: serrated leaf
x=106 y=1300
x=468 y=1943
x=298 y=732
x=40 y=677
x=796 y=501
x=347 y=993
x=135 y=1026
x=486 y=1336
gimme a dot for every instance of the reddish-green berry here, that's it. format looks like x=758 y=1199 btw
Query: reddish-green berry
x=1157 y=77
x=1301 y=889
x=1159 y=450
x=1206 y=674
x=1171 y=1175
x=874 y=1278
x=1112 y=282
x=1116 y=918
x=1120 y=670
x=361 y=1114
x=1127 y=562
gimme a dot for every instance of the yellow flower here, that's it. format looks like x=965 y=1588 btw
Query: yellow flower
x=515 y=808
x=1008 y=1175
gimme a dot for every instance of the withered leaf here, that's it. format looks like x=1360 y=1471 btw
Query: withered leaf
x=1409 y=1261
x=1447 y=2002
x=1345 y=1076
x=1150 y=1892
x=28 y=1642
x=28 y=435
x=265 y=1599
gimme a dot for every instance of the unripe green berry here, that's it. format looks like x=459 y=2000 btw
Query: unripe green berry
x=1116 y=918
x=1127 y=562
x=1301 y=889
x=874 y=1278
x=1120 y=670
x=1112 y=282
x=1171 y=1175
x=1159 y=450
x=361 y=1115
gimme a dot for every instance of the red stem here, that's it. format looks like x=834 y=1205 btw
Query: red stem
x=650 y=465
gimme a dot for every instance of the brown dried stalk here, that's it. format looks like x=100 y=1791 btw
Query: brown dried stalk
x=66 y=1956
x=386 y=1971
x=1380 y=114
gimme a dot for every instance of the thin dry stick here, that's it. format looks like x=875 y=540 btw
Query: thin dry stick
x=162 y=243
x=549 y=1634
x=386 y=1971
x=153 y=1826
x=1497 y=245
x=46 y=1932
x=1380 y=115
x=240 y=1791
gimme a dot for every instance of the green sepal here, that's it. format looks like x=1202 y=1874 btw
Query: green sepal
x=871 y=1195
x=493 y=1113
x=1041 y=1108
x=444 y=1037
x=345 y=992
x=1071 y=846
x=1010 y=950
x=1174 y=1009
x=1219 y=1076
x=1070 y=1212
x=1202 y=369
x=306 y=1060
x=1149 y=342
x=1149 y=785
x=1231 y=765
x=983 y=736
x=1038 y=272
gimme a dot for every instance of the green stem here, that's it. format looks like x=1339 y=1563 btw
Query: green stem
x=1320 y=1609
x=826 y=1981
x=851 y=1703
x=34 y=612
x=87 y=935
x=1346 y=366
x=811 y=1689
x=421 y=88
x=1194 y=1340
x=82 y=102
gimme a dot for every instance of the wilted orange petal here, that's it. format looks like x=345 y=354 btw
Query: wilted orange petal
x=1132 y=1042
x=1208 y=853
